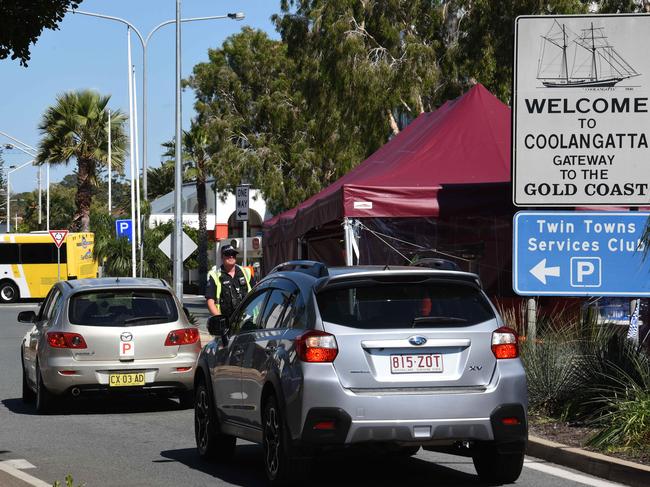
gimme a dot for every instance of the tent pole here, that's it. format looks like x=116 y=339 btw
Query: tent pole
x=347 y=235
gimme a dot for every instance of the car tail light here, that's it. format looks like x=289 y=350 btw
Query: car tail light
x=504 y=343
x=325 y=425
x=510 y=421
x=58 y=339
x=316 y=346
x=184 y=336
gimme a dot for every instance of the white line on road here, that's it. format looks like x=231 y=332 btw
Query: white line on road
x=19 y=463
x=568 y=475
x=8 y=467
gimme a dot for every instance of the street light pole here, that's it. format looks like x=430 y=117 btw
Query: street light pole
x=145 y=42
x=31 y=151
x=178 y=176
x=132 y=129
x=12 y=169
x=110 y=162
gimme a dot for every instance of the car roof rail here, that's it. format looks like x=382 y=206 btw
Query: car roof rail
x=311 y=267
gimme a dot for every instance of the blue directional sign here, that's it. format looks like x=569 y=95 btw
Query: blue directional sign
x=580 y=253
x=123 y=229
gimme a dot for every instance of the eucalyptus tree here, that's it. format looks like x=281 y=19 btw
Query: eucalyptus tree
x=75 y=127
x=259 y=127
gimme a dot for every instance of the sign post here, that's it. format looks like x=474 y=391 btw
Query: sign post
x=573 y=253
x=58 y=236
x=241 y=213
x=581 y=111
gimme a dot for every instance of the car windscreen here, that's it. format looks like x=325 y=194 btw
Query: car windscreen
x=375 y=305
x=123 y=307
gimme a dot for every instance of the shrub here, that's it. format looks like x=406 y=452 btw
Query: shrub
x=623 y=411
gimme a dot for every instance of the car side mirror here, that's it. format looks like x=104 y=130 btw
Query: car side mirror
x=217 y=325
x=27 y=317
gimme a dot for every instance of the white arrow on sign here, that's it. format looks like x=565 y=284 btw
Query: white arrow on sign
x=540 y=271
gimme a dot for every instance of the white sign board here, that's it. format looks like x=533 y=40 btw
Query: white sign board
x=581 y=111
x=188 y=246
x=241 y=209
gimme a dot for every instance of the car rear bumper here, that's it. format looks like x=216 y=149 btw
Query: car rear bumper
x=176 y=373
x=435 y=416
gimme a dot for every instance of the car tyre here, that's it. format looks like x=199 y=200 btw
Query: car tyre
x=29 y=396
x=44 y=398
x=281 y=465
x=496 y=466
x=9 y=292
x=210 y=442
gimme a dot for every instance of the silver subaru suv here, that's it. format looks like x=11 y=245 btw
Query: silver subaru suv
x=319 y=358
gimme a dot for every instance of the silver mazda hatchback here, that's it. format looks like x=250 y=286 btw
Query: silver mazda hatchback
x=400 y=358
x=109 y=335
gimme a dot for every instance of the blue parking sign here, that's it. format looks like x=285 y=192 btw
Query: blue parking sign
x=581 y=253
x=124 y=229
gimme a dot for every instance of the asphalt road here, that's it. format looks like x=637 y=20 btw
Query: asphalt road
x=150 y=442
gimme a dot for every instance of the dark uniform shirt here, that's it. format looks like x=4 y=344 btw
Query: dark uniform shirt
x=233 y=290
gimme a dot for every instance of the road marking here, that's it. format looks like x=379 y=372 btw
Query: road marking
x=568 y=475
x=8 y=467
x=19 y=463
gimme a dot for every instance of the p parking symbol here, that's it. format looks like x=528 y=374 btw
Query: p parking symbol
x=586 y=271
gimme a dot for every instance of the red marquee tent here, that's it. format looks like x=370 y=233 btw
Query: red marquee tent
x=449 y=164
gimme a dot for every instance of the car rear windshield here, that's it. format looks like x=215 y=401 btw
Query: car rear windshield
x=122 y=307
x=407 y=305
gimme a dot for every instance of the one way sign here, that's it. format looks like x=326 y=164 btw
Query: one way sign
x=241 y=211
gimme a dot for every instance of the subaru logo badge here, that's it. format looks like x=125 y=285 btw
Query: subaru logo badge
x=417 y=340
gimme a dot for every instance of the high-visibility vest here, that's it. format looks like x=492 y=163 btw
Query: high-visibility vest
x=214 y=274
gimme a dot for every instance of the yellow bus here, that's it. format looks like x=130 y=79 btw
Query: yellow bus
x=28 y=263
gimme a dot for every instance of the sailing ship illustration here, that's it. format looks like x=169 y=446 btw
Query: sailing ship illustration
x=588 y=60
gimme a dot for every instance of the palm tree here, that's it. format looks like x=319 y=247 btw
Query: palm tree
x=196 y=161
x=75 y=127
x=160 y=179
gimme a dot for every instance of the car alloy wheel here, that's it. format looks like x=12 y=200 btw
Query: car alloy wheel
x=272 y=440
x=282 y=463
x=202 y=420
x=210 y=442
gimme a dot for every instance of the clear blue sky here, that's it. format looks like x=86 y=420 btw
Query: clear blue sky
x=91 y=53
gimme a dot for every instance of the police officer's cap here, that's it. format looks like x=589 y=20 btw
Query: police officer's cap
x=228 y=249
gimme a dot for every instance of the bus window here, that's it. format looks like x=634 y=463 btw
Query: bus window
x=41 y=253
x=8 y=253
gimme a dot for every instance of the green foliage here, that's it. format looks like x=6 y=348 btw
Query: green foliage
x=624 y=407
x=292 y=116
x=580 y=370
x=76 y=127
x=160 y=180
x=23 y=22
x=69 y=482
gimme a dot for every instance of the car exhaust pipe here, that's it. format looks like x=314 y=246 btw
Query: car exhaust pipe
x=75 y=391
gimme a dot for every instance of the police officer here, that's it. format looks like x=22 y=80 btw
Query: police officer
x=228 y=285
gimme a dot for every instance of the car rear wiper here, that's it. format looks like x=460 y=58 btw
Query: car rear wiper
x=142 y=318
x=425 y=320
